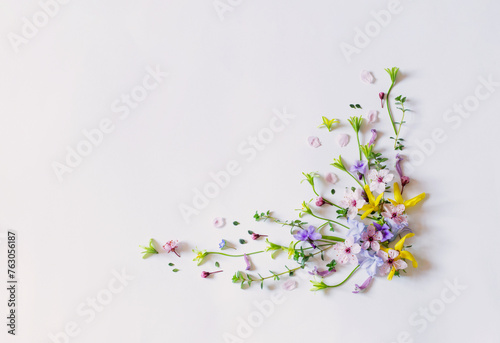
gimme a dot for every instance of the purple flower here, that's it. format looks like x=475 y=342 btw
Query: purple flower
x=386 y=231
x=247 y=261
x=323 y=273
x=222 y=244
x=398 y=229
x=404 y=179
x=320 y=201
x=363 y=286
x=374 y=136
x=370 y=262
x=356 y=228
x=359 y=167
x=309 y=235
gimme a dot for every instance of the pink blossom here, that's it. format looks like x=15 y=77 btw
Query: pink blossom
x=371 y=237
x=342 y=139
x=379 y=180
x=219 y=222
x=353 y=201
x=395 y=213
x=170 y=246
x=320 y=201
x=390 y=261
x=346 y=251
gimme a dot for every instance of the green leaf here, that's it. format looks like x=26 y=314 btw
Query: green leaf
x=217 y=264
x=250 y=232
x=171 y=264
x=242 y=241
x=175 y=270
x=235 y=223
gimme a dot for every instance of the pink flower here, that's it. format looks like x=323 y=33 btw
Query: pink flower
x=390 y=260
x=342 y=140
x=170 y=246
x=346 y=251
x=367 y=77
x=331 y=178
x=219 y=222
x=379 y=180
x=314 y=142
x=395 y=213
x=371 y=237
x=353 y=201
x=320 y=201
x=372 y=116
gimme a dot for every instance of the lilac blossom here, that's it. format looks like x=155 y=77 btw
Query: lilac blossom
x=323 y=273
x=370 y=262
x=356 y=229
x=247 y=261
x=385 y=230
x=363 y=286
x=309 y=235
x=395 y=213
x=371 y=237
x=358 y=167
x=404 y=179
x=374 y=136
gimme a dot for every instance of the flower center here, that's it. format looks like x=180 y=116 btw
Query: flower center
x=370 y=239
x=394 y=215
x=380 y=179
x=390 y=261
x=354 y=203
x=348 y=250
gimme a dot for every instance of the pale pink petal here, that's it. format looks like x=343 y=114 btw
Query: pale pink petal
x=349 y=241
x=388 y=178
x=219 y=222
x=378 y=236
x=314 y=142
x=375 y=246
x=400 y=208
x=352 y=212
x=367 y=77
x=383 y=172
x=342 y=139
x=355 y=249
x=373 y=175
x=331 y=178
x=383 y=255
x=400 y=264
x=289 y=285
x=364 y=235
x=365 y=245
x=393 y=253
x=385 y=269
x=370 y=230
x=353 y=259
x=372 y=116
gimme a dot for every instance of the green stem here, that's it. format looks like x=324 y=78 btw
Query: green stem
x=389 y=108
x=399 y=128
x=329 y=220
x=229 y=255
x=347 y=278
x=334 y=238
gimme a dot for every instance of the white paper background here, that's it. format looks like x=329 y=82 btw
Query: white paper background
x=226 y=78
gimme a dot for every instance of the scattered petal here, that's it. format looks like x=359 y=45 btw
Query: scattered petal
x=247 y=261
x=372 y=116
x=331 y=178
x=367 y=77
x=219 y=222
x=363 y=286
x=314 y=142
x=289 y=285
x=343 y=139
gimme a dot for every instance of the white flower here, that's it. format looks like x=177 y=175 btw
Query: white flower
x=379 y=180
x=353 y=201
x=347 y=251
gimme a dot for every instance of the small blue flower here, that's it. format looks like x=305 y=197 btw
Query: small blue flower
x=222 y=244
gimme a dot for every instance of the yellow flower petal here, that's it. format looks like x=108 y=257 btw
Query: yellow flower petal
x=368 y=192
x=397 y=194
x=407 y=255
x=391 y=274
x=414 y=201
x=378 y=199
x=399 y=245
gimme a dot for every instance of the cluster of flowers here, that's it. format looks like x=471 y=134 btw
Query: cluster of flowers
x=377 y=223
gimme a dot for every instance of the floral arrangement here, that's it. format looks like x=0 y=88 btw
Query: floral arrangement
x=376 y=222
